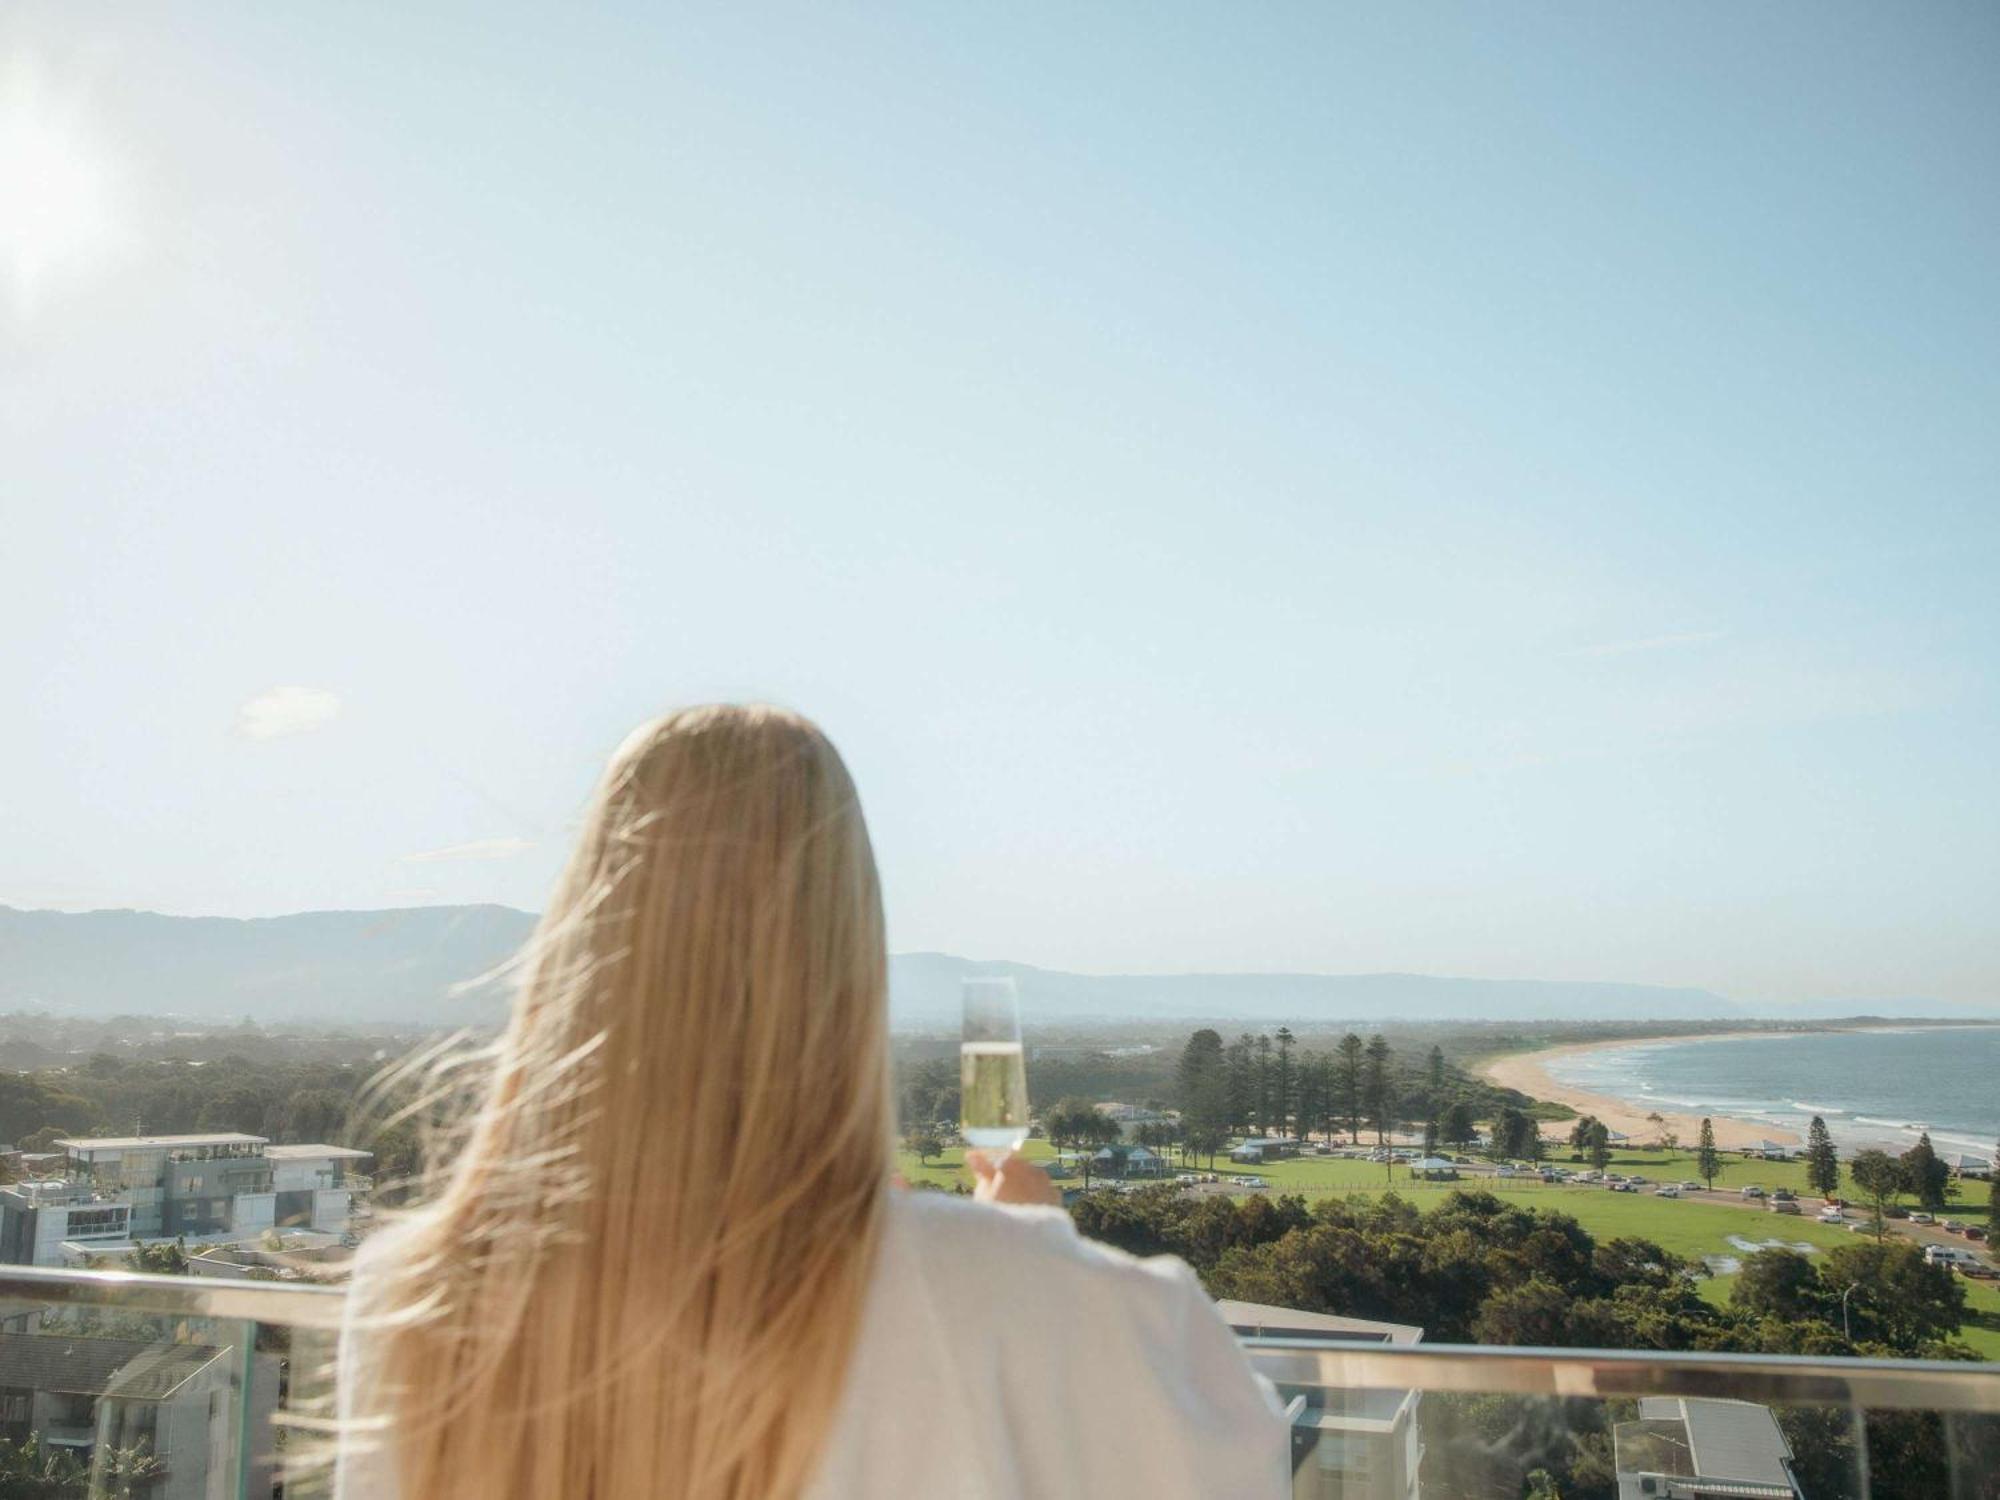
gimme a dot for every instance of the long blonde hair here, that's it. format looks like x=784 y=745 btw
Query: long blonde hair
x=643 y=1275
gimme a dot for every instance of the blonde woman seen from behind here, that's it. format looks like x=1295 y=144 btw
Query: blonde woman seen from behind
x=668 y=1261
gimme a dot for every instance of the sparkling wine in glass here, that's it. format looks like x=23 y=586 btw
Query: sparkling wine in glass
x=992 y=1069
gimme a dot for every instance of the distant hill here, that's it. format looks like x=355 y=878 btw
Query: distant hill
x=409 y=964
x=924 y=990
x=398 y=964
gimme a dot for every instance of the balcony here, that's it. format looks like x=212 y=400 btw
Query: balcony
x=208 y=1364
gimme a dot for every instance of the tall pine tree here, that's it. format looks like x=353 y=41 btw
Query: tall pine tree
x=1822 y=1163
x=1347 y=1084
x=1708 y=1161
x=1282 y=1084
x=1375 y=1088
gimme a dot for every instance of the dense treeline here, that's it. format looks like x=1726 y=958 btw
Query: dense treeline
x=287 y=1102
x=1480 y=1270
x=1266 y=1084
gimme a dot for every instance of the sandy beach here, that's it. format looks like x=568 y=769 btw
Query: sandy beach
x=1528 y=1072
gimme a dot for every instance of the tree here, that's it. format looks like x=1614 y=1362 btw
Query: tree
x=1659 y=1123
x=1908 y=1301
x=1779 y=1284
x=1347 y=1084
x=1600 y=1145
x=162 y=1258
x=1708 y=1161
x=1993 y=1196
x=1926 y=1175
x=1459 y=1128
x=1282 y=1084
x=1579 y=1133
x=1880 y=1176
x=1203 y=1085
x=1312 y=1094
x=31 y=1470
x=1375 y=1089
x=1267 y=1086
x=1515 y=1136
x=1436 y=1063
x=1431 y=1135
x=925 y=1143
x=1822 y=1162
x=1240 y=1074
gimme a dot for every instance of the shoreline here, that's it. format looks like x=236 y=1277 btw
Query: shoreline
x=1528 y=1073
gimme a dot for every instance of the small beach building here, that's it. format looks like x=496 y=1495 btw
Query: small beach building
x=1264 y=1148
x=1972 y=1166
x=1434 y=1169
x=1770 y=1151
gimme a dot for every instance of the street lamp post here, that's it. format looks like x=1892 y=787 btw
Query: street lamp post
x=1846 y=1330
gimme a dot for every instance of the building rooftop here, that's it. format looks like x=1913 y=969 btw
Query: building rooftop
x=1737 y=1443
x=1289 y=1323
x=162 y=1142
x=315 y=1153
x=129 y=1369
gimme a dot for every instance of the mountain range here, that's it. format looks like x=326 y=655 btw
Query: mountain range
x=422 y=965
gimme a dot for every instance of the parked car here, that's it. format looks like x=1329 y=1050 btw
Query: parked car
x=1614 y=1177
x=1922 y=1219
x=1690 y=1187
x=1974 y=1232
x=1253 y=1182
x=1753 y=1191
x=1831 y=1216
x=1784 y=1205
x=1668 y=1191
x=1623 y=1187
x=1952 y=1226
x=1782 y=1195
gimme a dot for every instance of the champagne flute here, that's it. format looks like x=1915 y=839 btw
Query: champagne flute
x=992 y=1069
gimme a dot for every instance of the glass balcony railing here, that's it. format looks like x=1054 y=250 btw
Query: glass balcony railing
x=172 y=1388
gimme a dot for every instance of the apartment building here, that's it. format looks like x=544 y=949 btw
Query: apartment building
x=38 y=1218
x=120 y=1190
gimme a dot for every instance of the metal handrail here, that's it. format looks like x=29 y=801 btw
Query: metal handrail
x=1882 y=1384
x=285 y=1303
x=1886 y=1384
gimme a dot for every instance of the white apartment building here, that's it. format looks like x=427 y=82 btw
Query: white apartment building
x=118 y=1191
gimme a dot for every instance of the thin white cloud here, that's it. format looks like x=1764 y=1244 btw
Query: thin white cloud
x=1651 y=643
x=286 y=710
x=477 y=849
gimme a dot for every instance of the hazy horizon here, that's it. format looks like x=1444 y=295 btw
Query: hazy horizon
x=1430 y=491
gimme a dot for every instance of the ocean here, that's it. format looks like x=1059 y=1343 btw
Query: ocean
x=1873 y=1088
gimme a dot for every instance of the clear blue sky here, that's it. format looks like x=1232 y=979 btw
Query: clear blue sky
x=1493 y=490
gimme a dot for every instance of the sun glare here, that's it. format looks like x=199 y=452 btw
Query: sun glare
x=55 y=212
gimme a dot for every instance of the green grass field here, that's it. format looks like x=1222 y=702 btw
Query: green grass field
x=1684 y=1226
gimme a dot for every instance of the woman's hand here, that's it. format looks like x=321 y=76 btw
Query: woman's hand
x=1011 y=1180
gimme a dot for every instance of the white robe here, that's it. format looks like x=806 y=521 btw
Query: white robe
x=1003 y=1355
